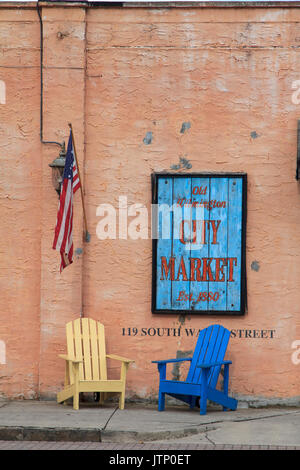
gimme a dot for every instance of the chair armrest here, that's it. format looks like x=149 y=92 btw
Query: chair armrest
x=212 y=364
x=71 y=359
x=172 y=360
x=119 y=358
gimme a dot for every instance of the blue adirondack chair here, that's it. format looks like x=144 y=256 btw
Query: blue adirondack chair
x=203 y=373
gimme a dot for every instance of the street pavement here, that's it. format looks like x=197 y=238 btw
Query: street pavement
x=45 y=425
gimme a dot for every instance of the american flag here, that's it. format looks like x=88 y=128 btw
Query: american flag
x=63 y=239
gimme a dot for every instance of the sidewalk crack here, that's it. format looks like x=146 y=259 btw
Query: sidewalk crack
x=103 y=429
x=240 y=420
x=3 y=403
x=209 y=440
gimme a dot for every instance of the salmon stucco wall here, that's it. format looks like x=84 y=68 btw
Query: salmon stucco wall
x=147 y=89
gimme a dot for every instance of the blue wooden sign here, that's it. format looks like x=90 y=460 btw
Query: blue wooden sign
x=199 y=243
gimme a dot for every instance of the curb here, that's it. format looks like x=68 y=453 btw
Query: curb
x=136 y=436
x=19 y=433
x=31 y=433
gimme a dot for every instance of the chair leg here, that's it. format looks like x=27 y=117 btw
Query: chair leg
x=162 y=369
x=203 y=397
x=225 y=383
x=124 y=368
x=76 y=387
x=67 y=378
x=122 y=400
x=161 y=401
x=65 y=394
x=102 y=398
x=76 y=401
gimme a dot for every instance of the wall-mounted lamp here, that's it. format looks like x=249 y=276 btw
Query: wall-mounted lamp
x=58 y=166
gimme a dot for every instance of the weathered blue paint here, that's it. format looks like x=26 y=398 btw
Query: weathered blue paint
x=148 y=138
x=184 y=127
x=203 y=374
x=164 y=246
x=200 y=248
x=218 y=248
x=234 y=240
x=200 y=266
x=181 y=251
x=255 y=266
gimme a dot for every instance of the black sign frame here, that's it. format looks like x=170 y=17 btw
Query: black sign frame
x=243 y=281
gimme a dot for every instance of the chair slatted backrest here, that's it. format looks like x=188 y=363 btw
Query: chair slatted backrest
x=86 y=341
x=211 y=347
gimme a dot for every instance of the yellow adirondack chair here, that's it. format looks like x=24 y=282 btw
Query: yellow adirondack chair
x=86 y=363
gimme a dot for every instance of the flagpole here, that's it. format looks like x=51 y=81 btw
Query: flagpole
x=87 y=235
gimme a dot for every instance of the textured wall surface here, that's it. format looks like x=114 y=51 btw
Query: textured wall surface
x=143 y=88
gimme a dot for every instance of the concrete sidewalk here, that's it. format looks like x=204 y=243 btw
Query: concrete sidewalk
x=30 y=420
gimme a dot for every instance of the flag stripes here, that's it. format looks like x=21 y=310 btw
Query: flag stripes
x=63 y=237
